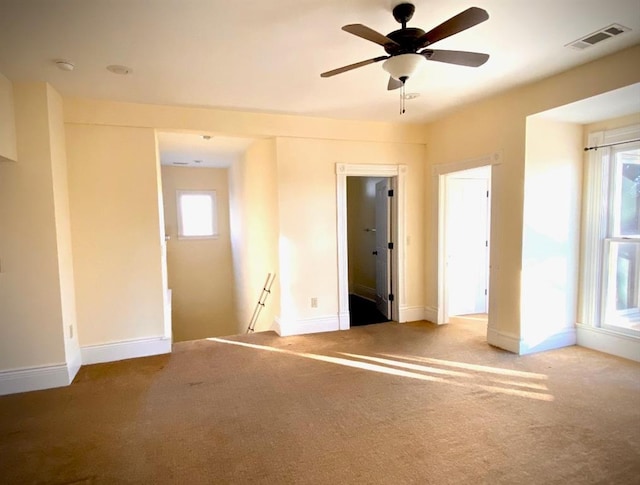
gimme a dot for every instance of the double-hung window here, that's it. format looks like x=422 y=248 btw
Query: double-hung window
x=611 y=259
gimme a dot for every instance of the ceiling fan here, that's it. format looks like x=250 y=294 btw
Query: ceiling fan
x=408 y=47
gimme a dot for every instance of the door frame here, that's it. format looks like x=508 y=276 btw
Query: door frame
x=397 y=174
x=446 y=274
x=382 y=236
x=439 y=173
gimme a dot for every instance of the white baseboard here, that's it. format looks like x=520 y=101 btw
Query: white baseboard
x=309 y=325
x=126 y=349
x=503 y=340
x=343 y=321
x=609 y=342
x=364 y=292
x=73 y=366
x=431 y=314
x=34 y=378
x=563 y=338
x=411 y=314
x=275 y=326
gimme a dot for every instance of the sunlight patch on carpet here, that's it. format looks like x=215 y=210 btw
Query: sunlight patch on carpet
x=385 y=366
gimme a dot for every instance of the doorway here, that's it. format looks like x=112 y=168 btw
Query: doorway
x=465 y=236
x=396 y=175
x=197 y=233
x=369 y=258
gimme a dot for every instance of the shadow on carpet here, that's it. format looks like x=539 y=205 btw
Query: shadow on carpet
x=364 y=312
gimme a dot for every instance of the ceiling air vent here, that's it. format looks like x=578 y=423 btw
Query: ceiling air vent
x=598 y=36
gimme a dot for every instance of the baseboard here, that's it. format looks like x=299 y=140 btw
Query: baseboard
x=343 y=321
x=503 y=341
x=431 y=314
x=34 y=378
x=609 y=342
x=73 y=366
x=564 y=338
x=126 y=349
x=275 y=326
x=411 y=314
x=309 y=325
x=364 y=292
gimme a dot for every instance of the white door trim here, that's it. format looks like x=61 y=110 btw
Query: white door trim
x=438 y=173
x=398 y=210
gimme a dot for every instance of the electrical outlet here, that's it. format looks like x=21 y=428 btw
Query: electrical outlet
x=314 y=302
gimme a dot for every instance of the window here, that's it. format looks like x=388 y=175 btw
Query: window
x=197 y=214
x=622 y=244
x=611 y=258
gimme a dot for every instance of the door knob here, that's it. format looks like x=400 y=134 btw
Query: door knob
x=375 y=252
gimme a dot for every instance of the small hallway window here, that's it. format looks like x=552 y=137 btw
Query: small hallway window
x=197 y=214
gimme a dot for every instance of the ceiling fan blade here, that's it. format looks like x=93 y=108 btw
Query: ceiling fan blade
x=366 y=33
x=342 y=69
x=462 y=58
x=464 y=20
x=393 y=84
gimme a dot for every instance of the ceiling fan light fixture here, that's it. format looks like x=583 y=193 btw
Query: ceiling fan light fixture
x=404 y=66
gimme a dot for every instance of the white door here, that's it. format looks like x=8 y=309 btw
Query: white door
x=466 y=242
x=383 y=261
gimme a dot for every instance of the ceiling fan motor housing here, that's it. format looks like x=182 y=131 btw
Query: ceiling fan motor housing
x=408 y=41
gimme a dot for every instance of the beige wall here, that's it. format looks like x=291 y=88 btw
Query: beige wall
x=498 y=125
x=308 y=221
x=361 y=215
x=200 y=271
x=289 y=173
x=8 y=150
x=236 y=123
x=63 y=225
x=34 y=299
x=254 y=229
x=551 y=232
x=610 y=124
x=115 y=224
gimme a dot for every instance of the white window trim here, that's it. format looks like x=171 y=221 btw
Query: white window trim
x=595 y=230
x=214 y=203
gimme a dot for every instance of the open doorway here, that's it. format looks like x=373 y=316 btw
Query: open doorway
x=197 y=236
x=368 y=229
x=465 y=235
x=395 y=248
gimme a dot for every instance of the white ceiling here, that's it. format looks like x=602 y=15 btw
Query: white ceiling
x=268 y=55
x=193 y=150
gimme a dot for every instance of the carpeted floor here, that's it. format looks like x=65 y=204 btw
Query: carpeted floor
x=379 y=404
x=364 y=312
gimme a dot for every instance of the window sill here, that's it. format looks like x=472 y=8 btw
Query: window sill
x=198 y=238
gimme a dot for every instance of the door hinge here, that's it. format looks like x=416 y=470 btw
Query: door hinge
x=487 y=194
x=391 y=297
x=485 y=292
x=390 y=193
x=390 y=245
x=486 y=244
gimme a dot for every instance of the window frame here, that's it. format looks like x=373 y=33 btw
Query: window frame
x=598 y=227
x=214 y=213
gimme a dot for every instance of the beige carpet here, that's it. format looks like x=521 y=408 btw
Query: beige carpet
x=380 y=404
